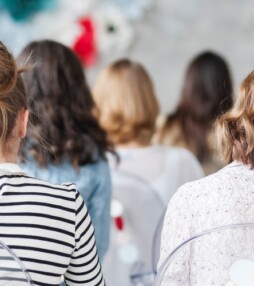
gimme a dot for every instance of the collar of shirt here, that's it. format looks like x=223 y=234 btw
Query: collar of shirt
x=10 y=168
x=237 y=164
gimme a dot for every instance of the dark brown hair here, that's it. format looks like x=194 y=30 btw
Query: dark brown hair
x=206 y=93
x=12 y=94
x=61 y=108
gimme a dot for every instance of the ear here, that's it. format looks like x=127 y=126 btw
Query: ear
x=23 y=120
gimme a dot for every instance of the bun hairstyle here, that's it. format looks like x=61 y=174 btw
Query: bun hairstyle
x=12 y=93
x=235 y=129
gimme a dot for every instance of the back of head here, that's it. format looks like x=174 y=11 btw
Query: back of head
x=61 y=105
x=12 y=94
x=207 y=89
x=235 y=129
x=127 y=103
x=207 y=93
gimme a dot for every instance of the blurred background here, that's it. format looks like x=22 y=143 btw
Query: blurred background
x=164 y=35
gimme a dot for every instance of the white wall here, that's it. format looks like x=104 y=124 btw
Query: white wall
x=176 y=30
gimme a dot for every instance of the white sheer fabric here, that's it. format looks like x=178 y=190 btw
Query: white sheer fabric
x=166 y=169
x=137 y=212
x=143 y=182
x=224 y=198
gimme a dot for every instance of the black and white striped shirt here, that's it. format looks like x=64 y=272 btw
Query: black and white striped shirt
x=48 y=227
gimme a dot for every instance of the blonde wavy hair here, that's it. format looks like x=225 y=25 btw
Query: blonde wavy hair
x=235 y=129
x=126 y=102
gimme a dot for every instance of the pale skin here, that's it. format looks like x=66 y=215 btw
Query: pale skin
x=9 y=154
x=132 y=144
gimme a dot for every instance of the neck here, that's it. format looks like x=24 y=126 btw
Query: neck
x=133 y=144
x=11 y=158
x=9 y=155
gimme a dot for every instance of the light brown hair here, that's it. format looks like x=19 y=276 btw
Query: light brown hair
x=12 y=93
x=235 y=129
x=126 y=101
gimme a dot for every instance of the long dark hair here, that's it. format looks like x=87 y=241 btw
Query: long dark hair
x=206 y=94
x=61 y=108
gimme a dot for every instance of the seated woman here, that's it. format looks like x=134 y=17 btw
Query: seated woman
x=127 y=110
x=61 y=111
x=47 y=226
x=207 y=93
x=220 y=199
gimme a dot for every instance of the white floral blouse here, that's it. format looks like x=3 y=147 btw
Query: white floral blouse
x=223 y=198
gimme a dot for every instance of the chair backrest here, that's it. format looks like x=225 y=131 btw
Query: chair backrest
x=12 y=270
x=220 y=256
x=133 y=244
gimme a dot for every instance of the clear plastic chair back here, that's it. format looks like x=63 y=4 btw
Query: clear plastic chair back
x=12 y=270
x=134 y=243
x=221 y=256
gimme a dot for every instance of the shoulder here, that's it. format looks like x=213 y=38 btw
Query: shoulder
x=97 y=168
x=98 y=171
x=198 y=189
x=64 y=190
x=199 y=184
x=182 y=152
x=179 y=155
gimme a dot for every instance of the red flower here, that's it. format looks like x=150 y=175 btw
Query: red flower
x=119 y=223
x=85 y=46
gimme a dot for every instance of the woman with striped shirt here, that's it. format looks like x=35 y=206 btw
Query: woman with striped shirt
x=47 y=226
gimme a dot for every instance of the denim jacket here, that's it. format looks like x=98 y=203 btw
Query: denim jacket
x=94 y=184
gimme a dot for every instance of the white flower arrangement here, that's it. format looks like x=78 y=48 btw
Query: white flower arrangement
x=62 y=23
x=113 y=31
x=114 y=24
